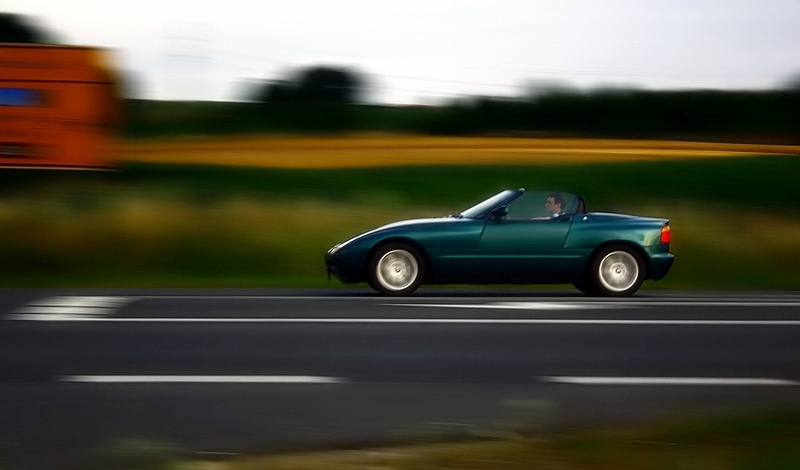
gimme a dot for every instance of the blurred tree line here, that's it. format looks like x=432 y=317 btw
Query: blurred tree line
x=330 y=99
x=312 y=99
x=22 y=29
x=754 y=115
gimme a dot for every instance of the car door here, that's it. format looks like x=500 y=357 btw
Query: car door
x=525 y=245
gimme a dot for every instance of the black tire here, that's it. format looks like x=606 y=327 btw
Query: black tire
x=585 y=286
x=616 y=271
x=372 y=284
x=396 y=269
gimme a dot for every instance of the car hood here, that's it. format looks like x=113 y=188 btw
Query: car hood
x=402 y=225
x=411 y=223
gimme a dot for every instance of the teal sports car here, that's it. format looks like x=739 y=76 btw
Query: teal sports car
x=513 y=237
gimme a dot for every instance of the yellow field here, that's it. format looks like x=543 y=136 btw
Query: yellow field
x=378 y=150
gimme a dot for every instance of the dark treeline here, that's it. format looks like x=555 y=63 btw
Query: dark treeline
x=766 y=115
x=322 y=99
x=763 y=116
x=330 y=99
x=22 y=29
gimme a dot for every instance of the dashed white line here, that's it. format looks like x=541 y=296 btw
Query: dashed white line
x=199 y=379
x=104 y=308
x=81 y=301
x=664 y=381
x=73 y=306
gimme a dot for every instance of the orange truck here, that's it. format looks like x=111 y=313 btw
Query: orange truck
x=59 y=107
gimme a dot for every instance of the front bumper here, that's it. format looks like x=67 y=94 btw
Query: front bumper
x=344 y=269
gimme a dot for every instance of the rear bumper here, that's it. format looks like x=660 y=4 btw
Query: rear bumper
x=660 y=265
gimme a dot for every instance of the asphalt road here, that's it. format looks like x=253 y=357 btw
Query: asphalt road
x=90 y=376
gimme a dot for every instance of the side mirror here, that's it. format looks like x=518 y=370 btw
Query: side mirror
x=500 y=213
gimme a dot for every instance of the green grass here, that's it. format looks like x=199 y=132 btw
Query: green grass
x=761 y=441
x=735 y=221
x=763 y=183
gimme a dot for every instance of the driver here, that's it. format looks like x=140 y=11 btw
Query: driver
x=555 y=204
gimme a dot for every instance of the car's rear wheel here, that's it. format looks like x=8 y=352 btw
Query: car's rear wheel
x=616 y=271
x=396 y=269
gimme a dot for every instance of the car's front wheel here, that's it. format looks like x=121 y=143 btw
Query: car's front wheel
x=616 y=271
x=585 y=286
x=396 y=269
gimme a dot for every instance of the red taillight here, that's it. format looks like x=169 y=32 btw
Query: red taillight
x=666 y=234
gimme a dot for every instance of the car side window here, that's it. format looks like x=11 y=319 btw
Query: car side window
x=538 y=206
x=526 y=207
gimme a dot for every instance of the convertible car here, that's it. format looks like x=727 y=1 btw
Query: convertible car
x=513 y=237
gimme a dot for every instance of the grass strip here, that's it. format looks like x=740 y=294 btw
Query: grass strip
x=760 y=442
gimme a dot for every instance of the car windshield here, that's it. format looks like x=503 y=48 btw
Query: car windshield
x=479 y=210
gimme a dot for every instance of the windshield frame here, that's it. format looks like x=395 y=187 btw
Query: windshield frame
x=484 y=209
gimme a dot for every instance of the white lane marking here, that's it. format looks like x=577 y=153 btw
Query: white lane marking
x=81 y=301
x=411 y=302
x=63 y=307
x=736 y=381
x=595 y=305
x=56 y=307
x=241 y=379
x=463 y=321
x=311 y=379
x=708 y=302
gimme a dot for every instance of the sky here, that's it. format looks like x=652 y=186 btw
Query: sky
x=426 y=52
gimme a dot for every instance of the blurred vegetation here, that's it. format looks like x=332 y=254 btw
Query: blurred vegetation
x=314 y=85
x=735 y=220
x=328 y=99
x=144 y=118
x=761 y=117
x=23 y=29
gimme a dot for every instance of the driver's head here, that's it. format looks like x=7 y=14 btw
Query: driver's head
x=555 y=203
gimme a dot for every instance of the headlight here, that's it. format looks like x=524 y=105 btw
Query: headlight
x=339 y=246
